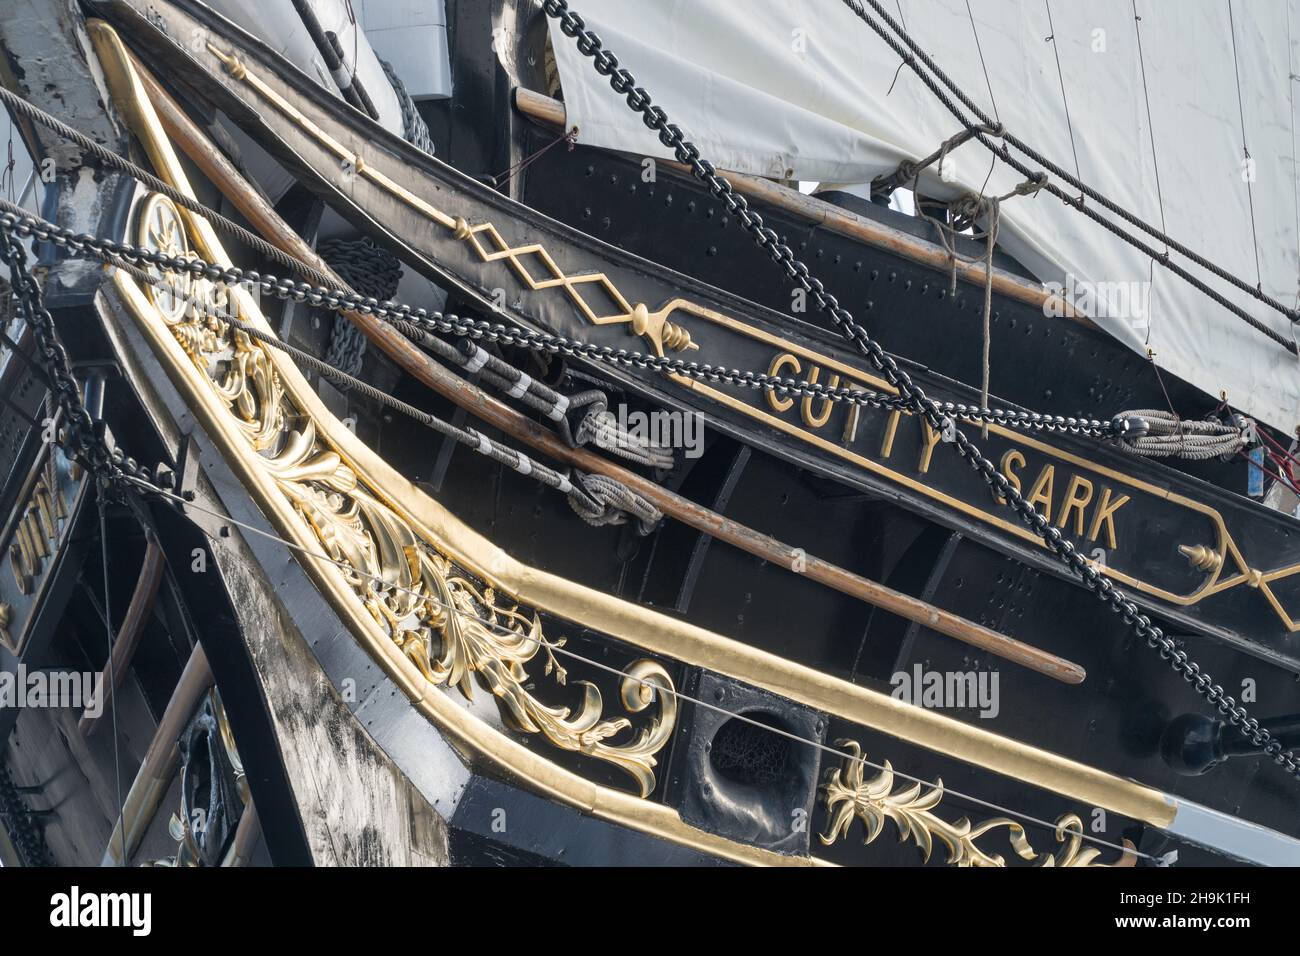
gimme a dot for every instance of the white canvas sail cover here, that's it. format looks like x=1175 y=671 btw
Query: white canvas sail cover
x=802 y=89
x=279 y=25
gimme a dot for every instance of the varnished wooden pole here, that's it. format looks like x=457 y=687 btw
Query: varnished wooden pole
x=247 y=833
x=160 y=760
x=264 y=219
x=128 y=636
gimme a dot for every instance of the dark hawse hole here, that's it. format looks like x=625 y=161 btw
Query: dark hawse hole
x=749 y=754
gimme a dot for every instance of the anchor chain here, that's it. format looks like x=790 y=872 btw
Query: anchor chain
x=405 y=318
x=624 y=83
x=83 y=437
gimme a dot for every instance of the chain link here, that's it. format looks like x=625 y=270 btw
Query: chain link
x=624 y=83
x=399 y=314
x=83 y=437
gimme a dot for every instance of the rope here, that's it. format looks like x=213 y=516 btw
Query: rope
x=560 y=649
x=604 y=430
x=102 y=504
x=130 y=473
x=330 y=291
x=347 y=343
x=116 y=162
x=1164 y=433
x=964 y=213
x=1245 y=148
x=912 y=55
x=414 y=130
x=604 y=500
x=655 y=117
x=908 y=170
x=1060 y=75
x=500 y=179
x=368 y=269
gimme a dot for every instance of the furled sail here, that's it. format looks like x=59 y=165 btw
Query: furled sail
x=808 y=91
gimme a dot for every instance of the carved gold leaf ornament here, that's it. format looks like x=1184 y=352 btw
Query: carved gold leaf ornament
x=850 y=796
x=452 y=629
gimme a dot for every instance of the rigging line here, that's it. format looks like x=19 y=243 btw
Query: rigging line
x=503 y=177
x=913 y=55
x=1056 y=52
x=1151 y=131
x=294 y=264
x=1248 y=164
x=112 y=672
x=113 y=161
x=1295 y=173
x=505 y=632
x=578 y=488
x=899 y=4
x=992 y=99
x=990 y=238
x=978 y=49
x=1276 y=476
x=8 y=178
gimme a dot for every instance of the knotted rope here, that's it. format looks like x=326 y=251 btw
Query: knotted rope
x=965 y=212
x=600 y=500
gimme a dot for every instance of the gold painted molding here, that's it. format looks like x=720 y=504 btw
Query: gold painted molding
x=654 y=633
x=655 y=327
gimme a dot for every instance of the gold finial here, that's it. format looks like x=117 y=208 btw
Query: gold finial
x=677 y=338
x=658 y=331
x=461 y=229
x=1201 y=557
x=230 y=61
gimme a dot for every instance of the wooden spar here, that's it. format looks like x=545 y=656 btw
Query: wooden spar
x=247 y=833
x=128 y=637
x=551 y=112
x=160 y=760
x=192 y=141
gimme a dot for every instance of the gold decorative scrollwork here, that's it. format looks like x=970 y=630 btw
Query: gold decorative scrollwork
x=850 y=796
x=450 y=627
x=160 y=227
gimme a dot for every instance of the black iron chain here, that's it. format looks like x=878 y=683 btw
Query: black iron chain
x=404 y=317
x=83 y=437
x=624 y=83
